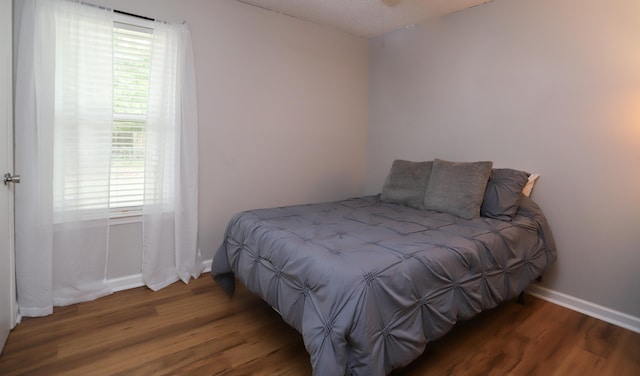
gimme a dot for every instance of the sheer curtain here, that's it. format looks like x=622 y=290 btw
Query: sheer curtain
x=170 y=210
x=63 y=121
x=63 y=136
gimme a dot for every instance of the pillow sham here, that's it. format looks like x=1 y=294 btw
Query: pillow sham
x=530 y=183
x=406 y=183
x=457 y=187
x=504 y=190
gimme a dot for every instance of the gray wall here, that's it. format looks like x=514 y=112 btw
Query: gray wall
x=546 y=86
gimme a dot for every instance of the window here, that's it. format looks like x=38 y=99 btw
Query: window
x=131 y=74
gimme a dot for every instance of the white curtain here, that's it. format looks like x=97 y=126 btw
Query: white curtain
x=63 y=121
x=170 y=210
x=63 y=136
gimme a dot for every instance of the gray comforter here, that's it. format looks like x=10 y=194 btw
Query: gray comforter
x=368 y=284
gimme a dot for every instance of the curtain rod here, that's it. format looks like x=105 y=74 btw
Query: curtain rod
x=125 y=13
x=134 y=15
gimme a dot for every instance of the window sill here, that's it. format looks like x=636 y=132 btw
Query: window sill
x=125 y=219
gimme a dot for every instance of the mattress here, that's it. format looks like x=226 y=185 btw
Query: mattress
x=369 y=283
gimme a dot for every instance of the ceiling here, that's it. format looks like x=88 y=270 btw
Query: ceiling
x=365 y=18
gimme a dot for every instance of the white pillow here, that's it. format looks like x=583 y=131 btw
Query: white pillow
x=530 y=183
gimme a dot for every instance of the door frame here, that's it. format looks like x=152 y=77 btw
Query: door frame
x=9 y=314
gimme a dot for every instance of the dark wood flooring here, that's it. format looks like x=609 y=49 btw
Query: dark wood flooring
x=196 y=330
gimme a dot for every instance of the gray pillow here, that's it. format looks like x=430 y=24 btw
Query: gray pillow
x=406 y=183
x=504 y=190
x=457 y=187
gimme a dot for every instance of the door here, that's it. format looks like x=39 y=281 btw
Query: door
x=8 y=304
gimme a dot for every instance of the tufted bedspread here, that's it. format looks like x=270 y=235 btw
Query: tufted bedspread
x=368 y=284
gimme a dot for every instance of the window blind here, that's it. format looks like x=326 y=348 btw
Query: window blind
x=131 y=74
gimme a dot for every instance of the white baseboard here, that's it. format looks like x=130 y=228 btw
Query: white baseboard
x=207 y=266
x=125 y=283
x=588 y=308
x=133 y=281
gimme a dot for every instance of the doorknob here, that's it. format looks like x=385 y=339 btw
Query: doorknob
x=8 y=178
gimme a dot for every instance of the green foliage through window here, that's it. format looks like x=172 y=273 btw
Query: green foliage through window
x=131 y=74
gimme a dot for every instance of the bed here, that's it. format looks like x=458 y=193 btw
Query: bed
x=368 y=281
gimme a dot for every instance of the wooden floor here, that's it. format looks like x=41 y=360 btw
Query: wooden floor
x=196 y=330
